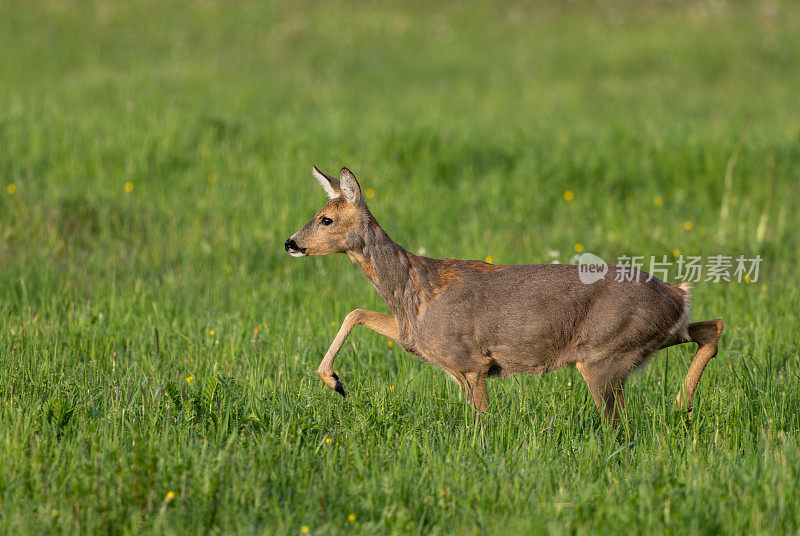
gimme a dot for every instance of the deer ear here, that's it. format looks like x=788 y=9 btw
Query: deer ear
x=349 y=186
x=328 y=183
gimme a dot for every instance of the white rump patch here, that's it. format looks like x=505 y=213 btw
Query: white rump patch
x=681 y=326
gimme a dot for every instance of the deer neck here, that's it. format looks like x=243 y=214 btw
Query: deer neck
x=404 y=280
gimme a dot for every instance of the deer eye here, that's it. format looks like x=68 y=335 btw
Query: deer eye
x=326 y=221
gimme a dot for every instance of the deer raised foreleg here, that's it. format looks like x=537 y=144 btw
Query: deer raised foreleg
x=384 y=324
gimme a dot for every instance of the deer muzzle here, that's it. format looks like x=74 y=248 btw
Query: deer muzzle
x=293 y=249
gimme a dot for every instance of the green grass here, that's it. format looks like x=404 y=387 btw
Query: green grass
x=469 y=122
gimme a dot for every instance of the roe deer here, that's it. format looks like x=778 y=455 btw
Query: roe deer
x=474 y=319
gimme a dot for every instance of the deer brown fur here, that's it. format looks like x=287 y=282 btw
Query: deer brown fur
x=474 y=320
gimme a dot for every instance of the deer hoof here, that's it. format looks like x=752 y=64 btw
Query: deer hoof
x=338 y=388
x=332 y=381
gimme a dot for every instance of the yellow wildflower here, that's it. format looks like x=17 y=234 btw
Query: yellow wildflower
x=369 y=193
x=304 y=529
x=688 y=225
x=328 y=440
x=11 y=188
x=657 y=201
x=578 y=247
x=170 y=496
x=189 y=379
x=390 y=343
x=351 y=517
x=569 y=195
x=128 y=187
x=211 y=332
x=489 y=259
x=676 y=252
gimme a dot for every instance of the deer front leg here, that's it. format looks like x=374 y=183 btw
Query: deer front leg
x=384 y=324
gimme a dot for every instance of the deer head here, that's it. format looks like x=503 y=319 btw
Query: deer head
x=338 y=227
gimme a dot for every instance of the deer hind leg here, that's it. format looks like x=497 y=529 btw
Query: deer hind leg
x=606 y=381
x=384 y=324
x=705 y=334
x=477 y=389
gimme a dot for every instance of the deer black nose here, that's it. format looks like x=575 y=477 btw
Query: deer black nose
x=290 y=244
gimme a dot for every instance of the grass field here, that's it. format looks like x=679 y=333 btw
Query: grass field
x=155 y=155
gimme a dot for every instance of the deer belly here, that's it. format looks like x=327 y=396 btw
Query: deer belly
x=521 y=357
